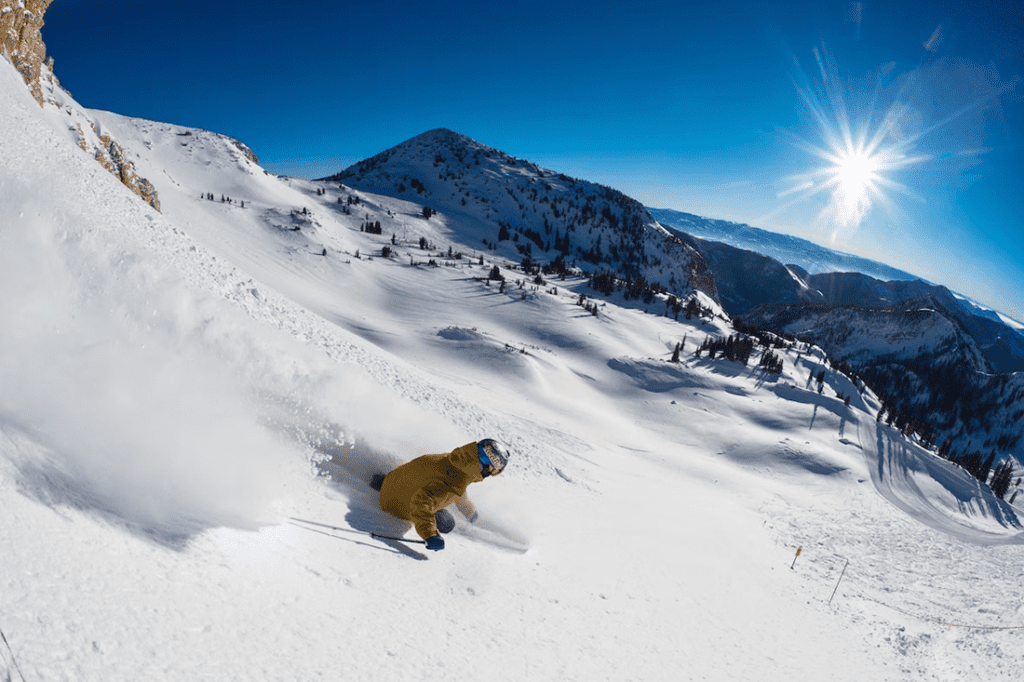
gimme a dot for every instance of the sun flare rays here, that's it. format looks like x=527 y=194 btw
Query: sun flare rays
x=858 y=155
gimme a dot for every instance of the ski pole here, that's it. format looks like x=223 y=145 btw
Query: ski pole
x=322 y=525
x=13 y=660
x=375 y=534
x=838 y=581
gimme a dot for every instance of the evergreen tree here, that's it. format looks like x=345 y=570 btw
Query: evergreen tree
x=692 y=308
x=1001 y=479
x=986 y=467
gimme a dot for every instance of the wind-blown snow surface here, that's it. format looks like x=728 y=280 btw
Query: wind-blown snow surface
x=176 y=386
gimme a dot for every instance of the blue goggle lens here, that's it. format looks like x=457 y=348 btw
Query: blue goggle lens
x=487 y=467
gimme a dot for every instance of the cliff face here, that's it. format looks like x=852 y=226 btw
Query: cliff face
x=22 y=41
x=746 y=280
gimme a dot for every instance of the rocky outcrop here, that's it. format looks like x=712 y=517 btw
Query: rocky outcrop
x=22 y=43
x=20 y=26
x=244 y=148
x=111 y=156
x=701 y=277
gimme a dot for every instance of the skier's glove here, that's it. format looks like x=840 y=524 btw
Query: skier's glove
x=435 y=543
x=474 y=517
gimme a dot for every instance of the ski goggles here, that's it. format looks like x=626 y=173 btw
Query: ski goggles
x=486 y=467
x=492 y=457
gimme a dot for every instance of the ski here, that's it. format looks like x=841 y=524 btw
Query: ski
x=373 y=533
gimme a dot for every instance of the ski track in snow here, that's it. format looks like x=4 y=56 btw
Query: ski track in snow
x=178 y=385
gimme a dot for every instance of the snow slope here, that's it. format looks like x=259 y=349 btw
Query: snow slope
x=178 y=386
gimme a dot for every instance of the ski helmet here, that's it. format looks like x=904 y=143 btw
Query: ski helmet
x=493 y=457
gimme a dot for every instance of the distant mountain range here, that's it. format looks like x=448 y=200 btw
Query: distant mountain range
x=949 y=369
x=784 y=248
x=747 y=263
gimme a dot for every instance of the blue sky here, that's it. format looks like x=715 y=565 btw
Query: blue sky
x=721 y=109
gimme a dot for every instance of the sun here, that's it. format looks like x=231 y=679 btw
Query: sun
x=856 y=173
x=860 y=154
x=854 y=177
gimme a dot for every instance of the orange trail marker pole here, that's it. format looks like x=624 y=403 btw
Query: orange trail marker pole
x=798 y=550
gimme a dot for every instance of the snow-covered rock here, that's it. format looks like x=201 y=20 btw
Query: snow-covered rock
x=22 y=42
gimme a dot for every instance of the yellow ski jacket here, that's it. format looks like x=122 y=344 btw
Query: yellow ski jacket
x=417 y=489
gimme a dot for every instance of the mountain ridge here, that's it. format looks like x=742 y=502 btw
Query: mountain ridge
x=750 y=276
x=525 y=211
x=785 y=248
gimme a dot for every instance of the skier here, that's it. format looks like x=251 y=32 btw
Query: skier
x=419 y=490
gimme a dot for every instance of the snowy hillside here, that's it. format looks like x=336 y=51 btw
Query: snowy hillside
x=922 y=360
x=179 y=385
x=859 y=335
x=998 y=340
x=520 y=210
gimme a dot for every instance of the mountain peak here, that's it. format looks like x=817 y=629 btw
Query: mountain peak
x=442 y=135
x=526 y=212
x=436 y=148
x=445 y=139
